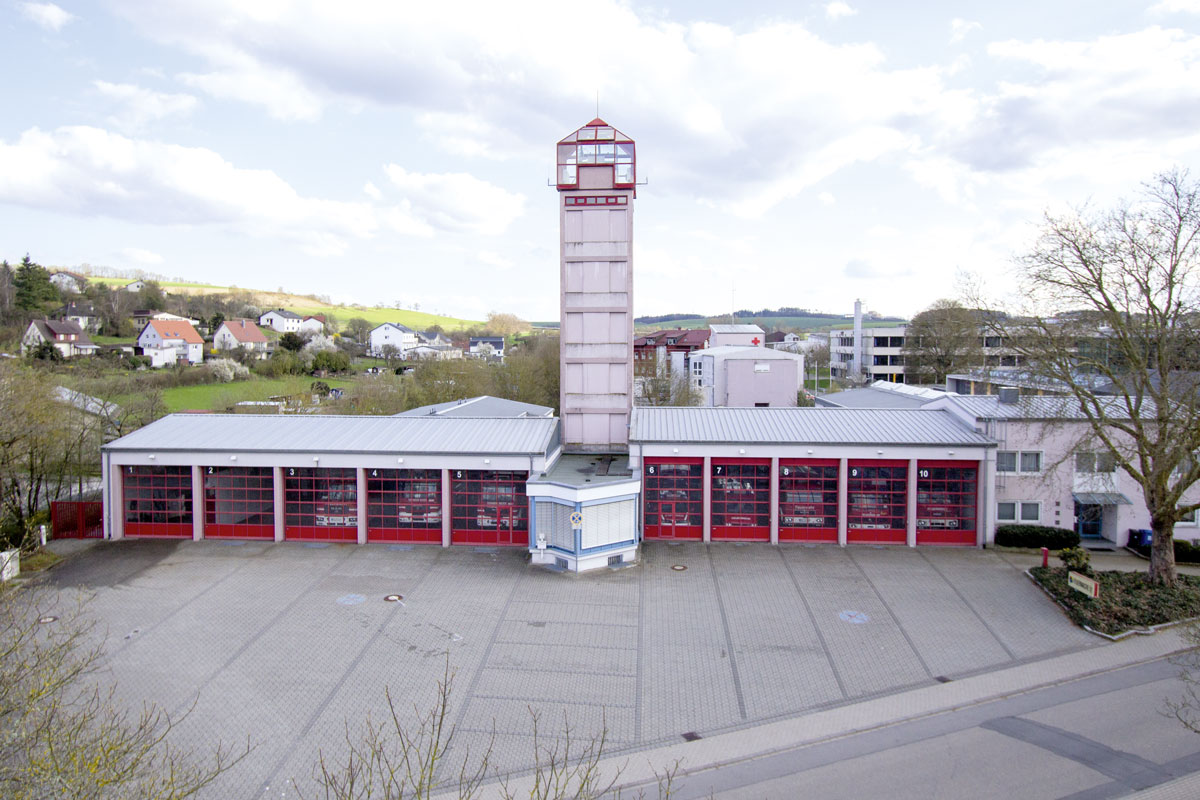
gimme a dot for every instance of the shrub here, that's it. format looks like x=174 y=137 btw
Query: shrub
x=1185 y=552
x=226 y=370
x=1035 y=536
x=331 y=361
x=1076 y=558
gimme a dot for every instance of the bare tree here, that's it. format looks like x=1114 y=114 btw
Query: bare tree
x=1110 y=303
x=942 y=339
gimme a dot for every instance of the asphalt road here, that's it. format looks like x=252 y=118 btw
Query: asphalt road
x=1096 y=737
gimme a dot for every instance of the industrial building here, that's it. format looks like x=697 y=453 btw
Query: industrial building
x=583 y=490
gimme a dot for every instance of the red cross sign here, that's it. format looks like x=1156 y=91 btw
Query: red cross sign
x=754 y=340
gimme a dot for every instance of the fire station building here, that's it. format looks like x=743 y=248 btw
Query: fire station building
x=580 y=491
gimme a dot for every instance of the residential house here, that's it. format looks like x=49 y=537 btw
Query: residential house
x=281 y=320
x=135 y=286
x=313 y=324
x=655 y=348
x=435 y=352
x=69 y=282
x=783 y=340
x=486 y=347
x=142 y=315
x=399 y=338
x=434 y=339
x=736 y=335
x=240 y=333
x=82 y=314
x=67 y=336
x=169 y=341
x=747 y=377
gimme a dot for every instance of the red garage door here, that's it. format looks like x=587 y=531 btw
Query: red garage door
x=946 y=501
x=404 y=505
x=320 y=504
x=808 y=500
x=877 y=500
x=158 y=501
x=239 y=502
x=741 y=499
x=673 y=498
x=489 y=507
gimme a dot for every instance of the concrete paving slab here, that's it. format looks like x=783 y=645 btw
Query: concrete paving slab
x=287 y=643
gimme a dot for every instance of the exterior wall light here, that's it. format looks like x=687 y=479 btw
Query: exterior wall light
x=233 y=458
x=399 y=460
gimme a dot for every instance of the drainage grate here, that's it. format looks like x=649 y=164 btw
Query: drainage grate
x=316 y=545
x=942 y=679
x=400 y=547
x=614 y=561
x=691 y=736
x=485 y=549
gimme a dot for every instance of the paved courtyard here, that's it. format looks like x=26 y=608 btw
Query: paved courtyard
x=286 y=643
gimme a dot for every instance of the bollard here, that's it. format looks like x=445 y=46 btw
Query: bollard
x=1045 y=556
x=43 y=534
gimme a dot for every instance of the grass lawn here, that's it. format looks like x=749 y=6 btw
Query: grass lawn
x=219 y=396
x=38 y=560
x=1127 y=600
x=130 y=340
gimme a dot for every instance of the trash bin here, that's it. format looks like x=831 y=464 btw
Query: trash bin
x=1140 y=537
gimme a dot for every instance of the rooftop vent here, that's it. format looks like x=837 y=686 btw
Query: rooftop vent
x=1009 y=395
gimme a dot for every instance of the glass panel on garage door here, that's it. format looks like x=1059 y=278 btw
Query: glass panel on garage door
x=808 y=500
x=404 y=505
x=741 y=499
x=158 y=501
x=877 y=500
x=239 y=502
x=489 y=507
x=320 y=504
x=946 y=502
x=673 y=498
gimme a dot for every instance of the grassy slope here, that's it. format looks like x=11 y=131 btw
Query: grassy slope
x=218 y=396
x=301 y=304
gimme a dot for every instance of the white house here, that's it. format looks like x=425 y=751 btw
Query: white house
x=168 y=341
x=393 y=335
x=240 y=333
x=486 y=346
x=135 y=286
x=312 y=324
x=281 y=320
x=82 y=314
x=736 y=335
x=67 y=336
x=434 y=339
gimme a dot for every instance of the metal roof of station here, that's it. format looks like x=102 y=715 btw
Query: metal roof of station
x=915 y=426
x=245 y=433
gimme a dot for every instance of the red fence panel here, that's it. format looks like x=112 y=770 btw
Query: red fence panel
x=77 y=519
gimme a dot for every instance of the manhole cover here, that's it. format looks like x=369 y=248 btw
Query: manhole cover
x=854 y=617
x=46 y=620
x=679 y=567
x=691 y=736
x=394 y=598
x=942 y=679
x=351 y=599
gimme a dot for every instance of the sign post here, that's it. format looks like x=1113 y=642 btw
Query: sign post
x=1083 y=584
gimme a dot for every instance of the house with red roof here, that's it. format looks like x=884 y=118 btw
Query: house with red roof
x=167 y=341
x=241 y=333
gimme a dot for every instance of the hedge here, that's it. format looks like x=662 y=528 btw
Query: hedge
x=1035 y=536
x=1185 y=552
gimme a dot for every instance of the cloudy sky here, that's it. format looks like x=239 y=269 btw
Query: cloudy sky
x=795 y=153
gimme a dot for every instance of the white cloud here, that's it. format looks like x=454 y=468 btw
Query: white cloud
x=959 y=28
x=837 y=9
x=1176 y=7
x=138 y=106
x=241 y=77
x=142 y=256
x=457 y=201
x=372 y=191
x=826 y=198
x=92 y=172
x=494 y=259
x=47 y=15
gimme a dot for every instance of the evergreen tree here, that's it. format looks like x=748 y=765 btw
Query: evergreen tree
x=32 y=286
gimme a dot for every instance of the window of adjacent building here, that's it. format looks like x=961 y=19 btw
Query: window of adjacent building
x=1008 y=511
x=881 y=341
x=895 y=341
x=1095 y=463
x=1026 y=460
